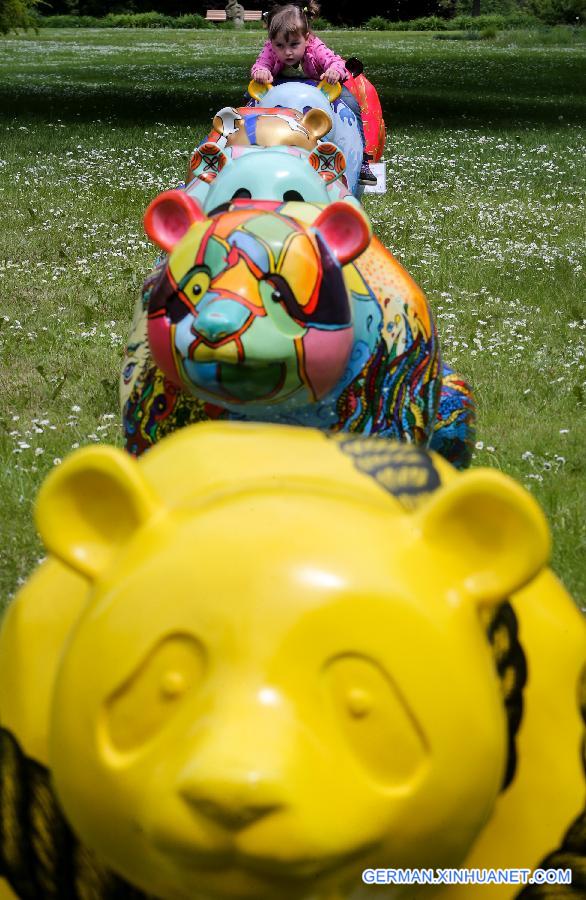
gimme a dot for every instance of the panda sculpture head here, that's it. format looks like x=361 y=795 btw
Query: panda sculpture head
x=254 y=707
x=304 y=96
x=217 y=176
x=269 y=127
x=251 y=307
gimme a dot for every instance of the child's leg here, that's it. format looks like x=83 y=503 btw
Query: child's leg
x=350 y=100
x=366 y=175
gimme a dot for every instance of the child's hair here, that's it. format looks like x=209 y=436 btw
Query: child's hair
x=291 y=19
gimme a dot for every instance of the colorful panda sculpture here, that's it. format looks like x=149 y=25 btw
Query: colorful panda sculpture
x=246 y=145
x=218 y=176
x=288 y=312
x=237 y=132
x=262 y=660
x=356 y=350
x=269 y=126
x=306 y=95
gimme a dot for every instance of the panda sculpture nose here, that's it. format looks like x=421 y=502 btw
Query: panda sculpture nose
x=231 y=803
x=219 y=319
x=240 y=769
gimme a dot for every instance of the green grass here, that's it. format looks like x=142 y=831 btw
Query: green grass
x=485 y=208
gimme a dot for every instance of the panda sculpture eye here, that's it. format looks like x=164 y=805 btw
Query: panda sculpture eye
x=291 y=196
x=153 y=692
x=196 y=283
x=374 y=719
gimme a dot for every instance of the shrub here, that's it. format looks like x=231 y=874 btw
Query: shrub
x=15 y=14
x=137 y=20
x=429 y=23
x=377 y=23
x=539 y=12
x=68 y=21
x=461 y=22
x=124 y=20
x=190 y=20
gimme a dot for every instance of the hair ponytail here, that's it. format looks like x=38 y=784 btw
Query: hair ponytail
x=312 y=8
x=291 y=18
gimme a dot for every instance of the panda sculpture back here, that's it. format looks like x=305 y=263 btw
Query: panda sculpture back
x=261 y=660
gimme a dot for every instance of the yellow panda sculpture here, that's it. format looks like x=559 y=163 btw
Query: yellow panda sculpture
x=263 y=663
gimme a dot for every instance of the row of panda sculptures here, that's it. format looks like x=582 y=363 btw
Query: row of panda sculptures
x=272 y=662
x=275 y=303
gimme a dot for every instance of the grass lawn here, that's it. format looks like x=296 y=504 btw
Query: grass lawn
x=485 y=208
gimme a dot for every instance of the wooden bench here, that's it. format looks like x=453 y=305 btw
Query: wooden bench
x=219 y=15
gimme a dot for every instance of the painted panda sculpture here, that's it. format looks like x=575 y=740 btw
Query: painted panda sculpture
x=261 y=661
x=288 y=312
x=230 y=351
x=304 y=96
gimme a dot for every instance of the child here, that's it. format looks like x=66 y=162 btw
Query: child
x=292 y=49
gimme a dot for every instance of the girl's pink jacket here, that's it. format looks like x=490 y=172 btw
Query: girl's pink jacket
x=317 y=58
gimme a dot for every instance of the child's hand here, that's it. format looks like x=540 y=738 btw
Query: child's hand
x=263 y=76
x=331 y=75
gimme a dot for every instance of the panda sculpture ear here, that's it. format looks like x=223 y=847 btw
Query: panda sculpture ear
x=317 y=122
x=169 y=216
x=331 y=91
x=257 y=90
x=491 y=530
x=227 y=121
x=345 y=230
x=91 y=506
